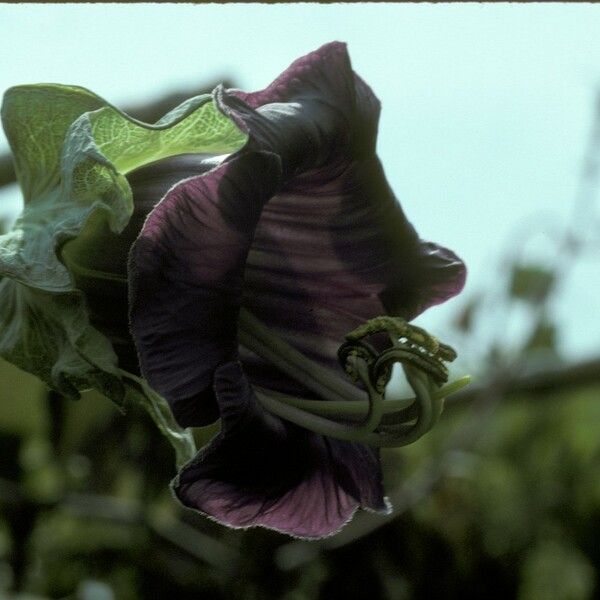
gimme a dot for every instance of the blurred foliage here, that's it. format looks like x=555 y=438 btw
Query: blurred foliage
x=81 y=497
x=531 y=283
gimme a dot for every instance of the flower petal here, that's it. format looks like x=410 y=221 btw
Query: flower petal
x=186 y=275
x=301 y=228
x=263 y=471
x=333 y=248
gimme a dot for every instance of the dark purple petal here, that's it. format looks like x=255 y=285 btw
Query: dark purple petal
x=438 y=276
x=329 y=258
x=332 y=247
x=186 y=276
x=261 y=470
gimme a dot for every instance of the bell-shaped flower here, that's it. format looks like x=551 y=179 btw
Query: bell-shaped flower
x=265 y=235
x=281 y=248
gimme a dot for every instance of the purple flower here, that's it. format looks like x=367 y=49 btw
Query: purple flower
x=299 y=231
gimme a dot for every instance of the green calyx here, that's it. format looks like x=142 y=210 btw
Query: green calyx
x=72 y=151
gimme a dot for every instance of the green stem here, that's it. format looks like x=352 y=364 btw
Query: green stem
x=410 y=433
x=333 y=429
x=351 y=410
x=375 y=411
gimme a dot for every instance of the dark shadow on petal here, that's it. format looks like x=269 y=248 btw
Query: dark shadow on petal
x=196 y=411
x=263 y=471
x=434 y=275
x=186 y=279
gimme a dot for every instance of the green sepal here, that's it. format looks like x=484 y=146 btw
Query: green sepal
x=66 y=179
x=36 y=119
x=49 y=335
x=72 y=151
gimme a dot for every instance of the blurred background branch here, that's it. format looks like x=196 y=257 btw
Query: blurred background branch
x=7 y=170
x=540 y=382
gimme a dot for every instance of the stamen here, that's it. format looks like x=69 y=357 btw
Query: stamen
x=262 y=341
x=429 y=410
x=360 y=420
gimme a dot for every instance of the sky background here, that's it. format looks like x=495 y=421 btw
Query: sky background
x=486 y=107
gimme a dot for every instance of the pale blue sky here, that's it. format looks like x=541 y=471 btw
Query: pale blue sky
x=486 y=107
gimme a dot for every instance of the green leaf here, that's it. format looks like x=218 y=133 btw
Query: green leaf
x=72 y=151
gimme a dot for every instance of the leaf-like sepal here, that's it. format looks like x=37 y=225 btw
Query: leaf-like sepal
x=72 y=152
